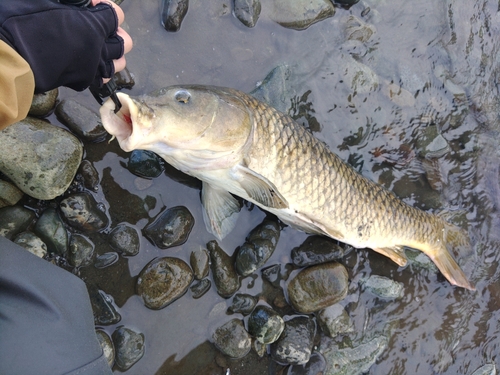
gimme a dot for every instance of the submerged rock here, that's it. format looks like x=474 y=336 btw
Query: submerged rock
x=89 y=175
x=170 y=228
x=334 y=320
x=43 y=103
x=224 y=274
x=243 y=303
x=106 y=260
x=295 y=343
x=316 y=250
x=247 y=11
x=232 y=339
x=81 y=251
x=106 y=345
x=82 y=212
x=32 y=243
x=129 y=347
x=162 y=281
x=172 y=13
x=265 y=324
x=383 y=287
x=199 y=288
x=50 y=228
x=103 y=307
x=200 y=264
x=125 y=239
x=276 y=89
x=9 y=194
x=145 y=164
x=317 y=287
x=14 y=220
x=300 y=14
x=315 y=366
x=81 y=120
x=28 y=159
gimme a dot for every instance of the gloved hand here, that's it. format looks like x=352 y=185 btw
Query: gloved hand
x=63 y=44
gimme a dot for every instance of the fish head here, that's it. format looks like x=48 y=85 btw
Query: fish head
x=201 y=123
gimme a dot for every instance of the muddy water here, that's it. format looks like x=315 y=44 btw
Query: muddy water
x=436 y=68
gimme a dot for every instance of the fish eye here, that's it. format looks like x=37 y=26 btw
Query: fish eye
x=182 y=96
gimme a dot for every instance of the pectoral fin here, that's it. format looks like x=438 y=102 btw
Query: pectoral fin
x=259 y=188
x=395 y=253
x=220 y=210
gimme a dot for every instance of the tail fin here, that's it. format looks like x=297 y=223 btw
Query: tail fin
x=453 y=237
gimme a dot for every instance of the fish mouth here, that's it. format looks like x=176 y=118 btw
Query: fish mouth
x=121 y=124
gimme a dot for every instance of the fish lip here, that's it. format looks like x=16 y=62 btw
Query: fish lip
x=120 y=124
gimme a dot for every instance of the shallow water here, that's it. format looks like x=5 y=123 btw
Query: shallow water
x=436 y=67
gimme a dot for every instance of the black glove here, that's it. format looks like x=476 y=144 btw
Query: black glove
x=63 y=44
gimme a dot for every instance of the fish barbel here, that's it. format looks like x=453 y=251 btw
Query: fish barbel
x=238 y=145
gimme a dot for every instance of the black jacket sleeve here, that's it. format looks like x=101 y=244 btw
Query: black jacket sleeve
x=64 y=45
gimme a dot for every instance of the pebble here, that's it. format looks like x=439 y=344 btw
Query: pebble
x=317 y=287
x=200 y=287
x=315 y=366
x=300 y=14
x=81 y=251
x=172 y=13
x=383 y=287
x=28 y=159
x=103 y=307
x=43 y=104
x=247 y=11
x=243 y=303
x=162 y=281
x=106 y=260
x=81 y=211
x=295 y=343
x=106 y=345
x=82 y=121
x=14 y=220
x=89 y=175
x=125 y=239
x=50 y=228
x=334 y=320
x=145 y=164
x=32 y=243
x=265 y=324
x=170 y=228
x=232 y=339
x=9 y=194
x=200 y=264
x=224 y=274
x=316 y=250
x=129 y=347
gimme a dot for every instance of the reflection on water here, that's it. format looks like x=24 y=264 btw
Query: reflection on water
x=407 y=94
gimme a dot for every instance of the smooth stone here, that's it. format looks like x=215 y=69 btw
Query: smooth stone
x=317 y=287
x=103 y=307
x=43 y=104
x=162 y=281
x=300 y=14
x=82 y=212
x=334 y=320
x=199 y=288
x=315 y=366
x=170 y=228
x=232 y=339
x=224 y=274
x=50 y=228
x=243 y=303
x=247 y=11
x=81 y=251
x=265 y=324
x=125 y=239
x=145 y=164
x=106 y=345
x=9 y=194
x=258 y=247
x=106 y=260
x=32 y=243
x=14 y=220
x=383 y=287
x=296 y=342
x=81 y=120
x=129 y=347
x=89 y=175
x=200 y=263
x=172 y=13
x=316 y=250
x=28 y=159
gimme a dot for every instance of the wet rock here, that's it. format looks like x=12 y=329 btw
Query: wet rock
x=421 y=260
x=145 y=164
x=316 y=250
x=300 y=14
x=125 y=239
x=232 y=339
x=356 y=29
x=200 y=264
x=259 y=348
x=89 y=175
x=129 y=347
x=295 y=343
x=265 y=324
x=81 y=120
x=106 y=260
x=358 y=77
x=258 y=247
x=243 y=303
x=199 y=288
x=14 y=220
x=383 y=287
x=275 y=89
x=43 y=104
x=334 y=320
x=356 y=360
x=247 y=11
x=124 y=79
x=32 y=243
x=318 y=287
x=82 y=212
x=488 y=369
x=28 y=159
x=162 y=281
x=9 y=194
x=81 y=251
x=106 y=345
x=172 y=13
x=315 y=366
x=50 y=228
x=103 y=307
x=272 y=274
x=224 y=274
x=170 y=228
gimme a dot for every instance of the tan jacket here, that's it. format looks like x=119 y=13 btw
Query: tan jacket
x=17 y=85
